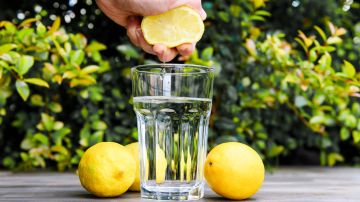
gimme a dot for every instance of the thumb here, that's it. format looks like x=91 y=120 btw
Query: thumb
x=194 y=4
x=154 y=7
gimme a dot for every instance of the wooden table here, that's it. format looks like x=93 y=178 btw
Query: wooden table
x=302 y=184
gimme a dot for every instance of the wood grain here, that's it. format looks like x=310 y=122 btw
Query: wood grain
x=300 y=184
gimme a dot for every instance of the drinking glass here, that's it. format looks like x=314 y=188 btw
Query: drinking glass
x=172 y=103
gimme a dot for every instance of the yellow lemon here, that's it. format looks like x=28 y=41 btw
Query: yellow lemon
x=133 y=148
x=161 y=165
x=107 y=169
x=234 y=170
x=174 y=27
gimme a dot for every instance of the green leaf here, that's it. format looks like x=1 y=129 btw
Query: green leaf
x=97 y=137
x=262 y=12
x=99 y=125
x=59 y=135
x=26 y=143
x=25 y=35
x=41 y=138
x=325 y=61
x=323 y=158
x=275 y=150
x=344 y=134
x=47 y=121
x=84 y=136
x=23 y=89
x=261 y=144
x=77 y=57
x=207 y=53
x=356 y=136
x=58 y=125
x=24 y=64
x=82 y=82
x=9 y=162
x=258 y=3
x=235 y=10
x=348 y=69
x=37 y=100
x=333 y=158
x=10 y=27
x=312 y=55
x=6 y=48
x=95 y=46
x=224 y=16
x=55 y=26
x=334 y=40
x=41 y=29
x=350 y=121
x=55 y=107
x=302 y=44
x=317 y=119
x=24 y=156
x=319 y=98
x=257 y=18
x=27 y=22
x=129 y=51
x=37 y=81
x=89 y=69
x=321 y=32
x=300 y=101
x=79 y=40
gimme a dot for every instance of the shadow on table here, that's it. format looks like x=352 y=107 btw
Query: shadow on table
x=135 y=196
x=86 y=195
x=219 y=198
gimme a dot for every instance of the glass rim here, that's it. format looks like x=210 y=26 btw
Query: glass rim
x=205 y=69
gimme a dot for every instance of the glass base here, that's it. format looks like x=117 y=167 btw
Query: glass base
x=172 y=193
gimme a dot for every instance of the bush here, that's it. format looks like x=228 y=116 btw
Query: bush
x=60 y=64
x=288 y=98
x=268 y=87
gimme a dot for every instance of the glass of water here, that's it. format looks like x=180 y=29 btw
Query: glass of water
x=172 y=103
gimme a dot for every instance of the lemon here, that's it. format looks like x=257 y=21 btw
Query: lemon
x=234 y=170
x=174 y=27
x=161 y=165
x=133 y=148
x=107 y=169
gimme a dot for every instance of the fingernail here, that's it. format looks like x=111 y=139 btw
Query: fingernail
x=203 y=14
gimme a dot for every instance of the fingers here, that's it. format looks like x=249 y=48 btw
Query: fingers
x=195 y=4
x=202 y=14
x=164 y=53
x=133 y=23
x=186 y=49
x=143 y=44
x=136 y=36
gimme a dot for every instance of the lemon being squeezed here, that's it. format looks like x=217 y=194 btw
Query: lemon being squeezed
x=174 y=27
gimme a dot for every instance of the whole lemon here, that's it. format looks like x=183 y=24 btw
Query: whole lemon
x=161 y=165
x=234 y=170
x=107 y=169
x=133 y=148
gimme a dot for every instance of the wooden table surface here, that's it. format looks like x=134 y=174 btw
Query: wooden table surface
x=302 y=184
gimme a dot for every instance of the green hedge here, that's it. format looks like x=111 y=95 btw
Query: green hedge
x=295 y=99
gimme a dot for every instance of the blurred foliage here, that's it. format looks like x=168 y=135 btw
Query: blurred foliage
x=292 y=95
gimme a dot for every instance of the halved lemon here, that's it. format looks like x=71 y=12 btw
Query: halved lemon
x=174 y=27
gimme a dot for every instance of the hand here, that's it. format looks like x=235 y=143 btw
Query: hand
x=129 y=13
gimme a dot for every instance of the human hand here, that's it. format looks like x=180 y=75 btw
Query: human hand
x=129 y=13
